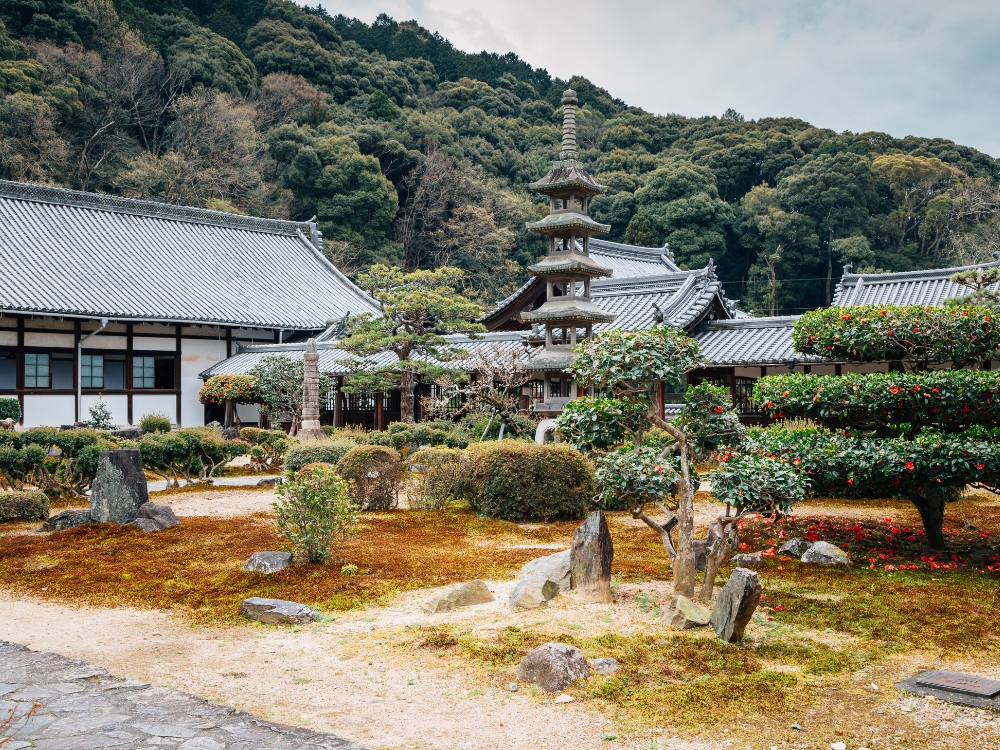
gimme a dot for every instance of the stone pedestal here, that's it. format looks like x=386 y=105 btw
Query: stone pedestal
x=591 y=554
x=310 y=428
x=119 y=487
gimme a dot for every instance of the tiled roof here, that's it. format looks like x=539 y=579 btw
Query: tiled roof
x=931 y=287
x=629 y=261
x=750 y=341
x=677 y=299
x=83 y=254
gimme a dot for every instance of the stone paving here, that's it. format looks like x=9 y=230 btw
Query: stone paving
x=49 y=702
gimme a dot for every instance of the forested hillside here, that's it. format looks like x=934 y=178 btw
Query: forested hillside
x=410 y=151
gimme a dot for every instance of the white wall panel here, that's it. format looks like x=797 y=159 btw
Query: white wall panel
x=153 y=344
x=117 y=405
x=59 y=340
x=8 y=338
x=49 y=411
x=249 y=414
x=100 y=341
x=149 y=404
x=197 y=355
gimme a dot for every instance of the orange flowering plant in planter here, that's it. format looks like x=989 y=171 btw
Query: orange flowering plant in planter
x=224 y=389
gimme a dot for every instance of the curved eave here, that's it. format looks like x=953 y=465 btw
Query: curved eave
x=569 y=263
x=565 y=221
x=559 y=310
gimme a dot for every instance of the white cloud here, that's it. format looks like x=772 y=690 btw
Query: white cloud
x=904 y=67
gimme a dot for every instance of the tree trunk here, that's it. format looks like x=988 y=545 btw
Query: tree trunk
x=684 y=574
x=406 y=402
x=932 y=514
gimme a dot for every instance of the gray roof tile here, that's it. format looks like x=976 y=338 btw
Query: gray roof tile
x=931 y=287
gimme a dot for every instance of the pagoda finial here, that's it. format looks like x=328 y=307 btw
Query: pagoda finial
x=569 y=126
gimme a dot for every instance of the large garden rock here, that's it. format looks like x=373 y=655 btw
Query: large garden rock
x=119 y=487
x=155 y=517
x=66 y=520
x=553 y=666
x=555 y=568
x=128 y=433
x=533 y=592
x=825 y=553
x=685 y=614
x=466 y=595
x=268 y=562
x=794 y=547
x=591 y=554
x=736 y=604
x=748 y=559
x=276 y=611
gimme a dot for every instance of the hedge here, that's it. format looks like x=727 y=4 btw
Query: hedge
x=519 y=481
x=376 y=473
x=10 y=408
x=951 y=400
x=325 y=452
x=23 y=506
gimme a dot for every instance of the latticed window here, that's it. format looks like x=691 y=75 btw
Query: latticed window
x=36 y=370
x=743 y=396
x=453 y=404
x=360 y=402
x=92 y=371
x=143 y=372
x=537 y=390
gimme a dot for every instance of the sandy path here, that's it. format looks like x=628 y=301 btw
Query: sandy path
x=218 y=503
x=352 y=676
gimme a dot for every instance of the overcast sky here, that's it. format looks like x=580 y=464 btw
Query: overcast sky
x=913 y=67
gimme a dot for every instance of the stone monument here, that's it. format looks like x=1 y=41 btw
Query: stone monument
x=591 y=554
x=310 y=429
x=119 y=487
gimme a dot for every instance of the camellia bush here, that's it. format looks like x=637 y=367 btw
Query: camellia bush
x=315 y=513
x=921 y=435
x=230 y=390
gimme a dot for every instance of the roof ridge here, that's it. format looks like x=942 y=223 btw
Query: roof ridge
x=101 y=202
x=927 y=273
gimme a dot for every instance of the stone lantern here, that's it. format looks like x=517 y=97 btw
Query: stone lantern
x=567 y=314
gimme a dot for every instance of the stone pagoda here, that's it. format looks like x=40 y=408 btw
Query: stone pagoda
x=567 y=314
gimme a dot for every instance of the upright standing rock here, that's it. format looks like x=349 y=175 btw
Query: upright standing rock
x=590 y=559
x=736 y=604
x=119 y=487
x=310 y=429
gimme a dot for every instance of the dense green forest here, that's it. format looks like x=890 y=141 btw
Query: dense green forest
x=410 y=151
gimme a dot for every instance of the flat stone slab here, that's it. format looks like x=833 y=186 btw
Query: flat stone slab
x=276 y=611
x=955 y=687
x=82 y=707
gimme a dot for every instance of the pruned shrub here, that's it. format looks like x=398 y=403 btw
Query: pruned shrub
x=267 y=447
x=375 y=472
x=155 y=422
x=325 y=452
x=315 y=513
x=436 y=478
x=519 y=481
x=23 y=506
x=10 y=408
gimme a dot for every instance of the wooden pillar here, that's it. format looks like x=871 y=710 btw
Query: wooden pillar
x=78 y=407
x=229 y=343
x=129 y=333
x=379 y=411
x=839 y=369
x=20 y=364
x=763 y=371
x=338 y=404
x=177 y=370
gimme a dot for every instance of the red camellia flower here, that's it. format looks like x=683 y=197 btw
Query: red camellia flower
x=890 y=333
x=894 y=390
x=784 y=394
x=965 y=313
x=658 y=469
x=909 y=465
x=779 y=608
x=980 y=466
x=850 y=480
x=718 y=409
x=881 y=312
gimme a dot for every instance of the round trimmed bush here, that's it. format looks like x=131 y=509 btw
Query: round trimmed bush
x=321 y=452
x=155 y=422
x=23 y=506
x=376 y=473
x=519 y=481
x=436 y=477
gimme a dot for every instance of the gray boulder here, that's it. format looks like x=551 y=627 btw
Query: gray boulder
x=825 y=553
x=591 y=555
x=533 y=592
x=269 y=480
x=736 y=604
x=794 y=547
x=268 y=562
x=553 y=666
x=748 y=559
x=119 y=487
x=685 y=614
x=466 y=595
x=553 y=568
x=155 y=517
x=605 y=666
x=128 y=433
x=276 y=611
x=700 y=555
x=66 y=520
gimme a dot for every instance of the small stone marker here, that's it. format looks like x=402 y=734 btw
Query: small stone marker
x=276 y=611
x=825 y=553
x=155 y=517
x=533 y=592
x=466 y=595
x=553 y=666
x=955 y=687
x=591 y=555
x=119 y=487
x=685 y=614
x=551 y=567
x=736 y=604
x=268 y=562
x=606 y=665
x=748 y=559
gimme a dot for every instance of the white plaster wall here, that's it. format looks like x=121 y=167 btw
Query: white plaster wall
x=117 y=405
x=149 y=404
x=197 y=355
x=49 y=411
x=61 y=340
x=100 y=341
x=154 y=345
x=249 y=413
x=8 y=338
